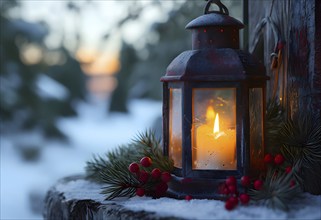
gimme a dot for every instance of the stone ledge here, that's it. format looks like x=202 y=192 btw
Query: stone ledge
x=61 y=205
x=76 y=198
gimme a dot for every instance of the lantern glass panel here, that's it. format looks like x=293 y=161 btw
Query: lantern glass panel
x=175 y=126
x=256 y=127
x=214 y=129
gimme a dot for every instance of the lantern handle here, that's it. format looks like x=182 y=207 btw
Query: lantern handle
x=223 y=9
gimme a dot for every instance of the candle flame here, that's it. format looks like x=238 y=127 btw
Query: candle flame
x=216 y=127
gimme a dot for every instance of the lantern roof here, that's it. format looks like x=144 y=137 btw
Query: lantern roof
x=218 y=18
x=214 y=19
x=215 y=54
x=224 y=64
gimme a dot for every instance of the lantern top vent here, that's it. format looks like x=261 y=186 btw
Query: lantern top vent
x=214 y=20
x=219 y=18
x=215 y=29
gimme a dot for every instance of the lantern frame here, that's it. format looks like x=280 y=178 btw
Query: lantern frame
x=205 y=67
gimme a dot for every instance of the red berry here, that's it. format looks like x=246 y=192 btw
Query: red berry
x=133 y=167
x=188 y=197
x=143 y=176
x=268 y=158
x=156 y=173
x=244 y=198
x=146 y=162
x=226 y=191
x=232 y=189
x=230 y=181
x=258 y=184
x=288 y=169
x=166 y=177
x=234 y=200
x=245 y=181
x=140 y=192
x=229 y=205
x=161 y=189
x=279 y=159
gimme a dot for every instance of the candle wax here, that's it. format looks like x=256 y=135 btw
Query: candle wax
x=214 y=150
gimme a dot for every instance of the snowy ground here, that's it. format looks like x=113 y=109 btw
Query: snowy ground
x=306 y=208
x=93 y=132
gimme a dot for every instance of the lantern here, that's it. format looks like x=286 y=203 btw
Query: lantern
x=213 y=108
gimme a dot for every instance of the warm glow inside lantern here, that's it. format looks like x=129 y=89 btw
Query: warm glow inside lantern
x=214 y=129
x=213 y=108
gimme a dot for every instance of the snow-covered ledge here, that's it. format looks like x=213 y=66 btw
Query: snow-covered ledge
x=76 y=198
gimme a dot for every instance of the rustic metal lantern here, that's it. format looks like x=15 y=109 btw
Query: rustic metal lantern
x=213 y=108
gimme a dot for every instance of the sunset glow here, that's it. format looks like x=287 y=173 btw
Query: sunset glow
x=95 y=63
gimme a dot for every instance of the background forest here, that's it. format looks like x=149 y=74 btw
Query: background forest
x=68 y=69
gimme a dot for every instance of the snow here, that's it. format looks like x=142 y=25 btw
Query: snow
x=306 y=208
x=81 y=189
x=93 y=132
x=48 y=88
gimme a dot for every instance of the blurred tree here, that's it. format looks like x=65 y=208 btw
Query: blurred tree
x=173 y=39
x=148 y=64
x=34 y=93
x=128 y=60
x=153 y=59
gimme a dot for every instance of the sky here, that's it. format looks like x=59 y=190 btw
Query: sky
x=95 y=20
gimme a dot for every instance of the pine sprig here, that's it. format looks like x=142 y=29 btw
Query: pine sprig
x=152 y=148
x=94 y=167
x=277 y=191
x=275 y=118
x=301 y=138
x=112 y=169
x=119 y=183
x=301 y=144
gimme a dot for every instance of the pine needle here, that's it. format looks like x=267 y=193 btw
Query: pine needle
x=277 y=191
x=301 y=140
x=112 y=169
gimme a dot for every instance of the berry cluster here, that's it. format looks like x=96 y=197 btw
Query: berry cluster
x=230 y=189
x=152 y=180
x=277 y=160
x=278 y=164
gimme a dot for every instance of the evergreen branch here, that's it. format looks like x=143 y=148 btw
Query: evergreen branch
x=277 y=191
x=151 y=147
x=274 y=122
x=120 y=182
x=301 y=143
x=95 y=166
x=112 y=169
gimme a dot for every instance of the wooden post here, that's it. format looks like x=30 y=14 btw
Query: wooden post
x=299 y=74
x=297 y=80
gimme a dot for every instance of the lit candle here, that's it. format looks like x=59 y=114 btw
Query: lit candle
x=214 y=149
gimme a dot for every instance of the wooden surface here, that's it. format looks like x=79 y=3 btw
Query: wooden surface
x=298 y=22
x=299 y=75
